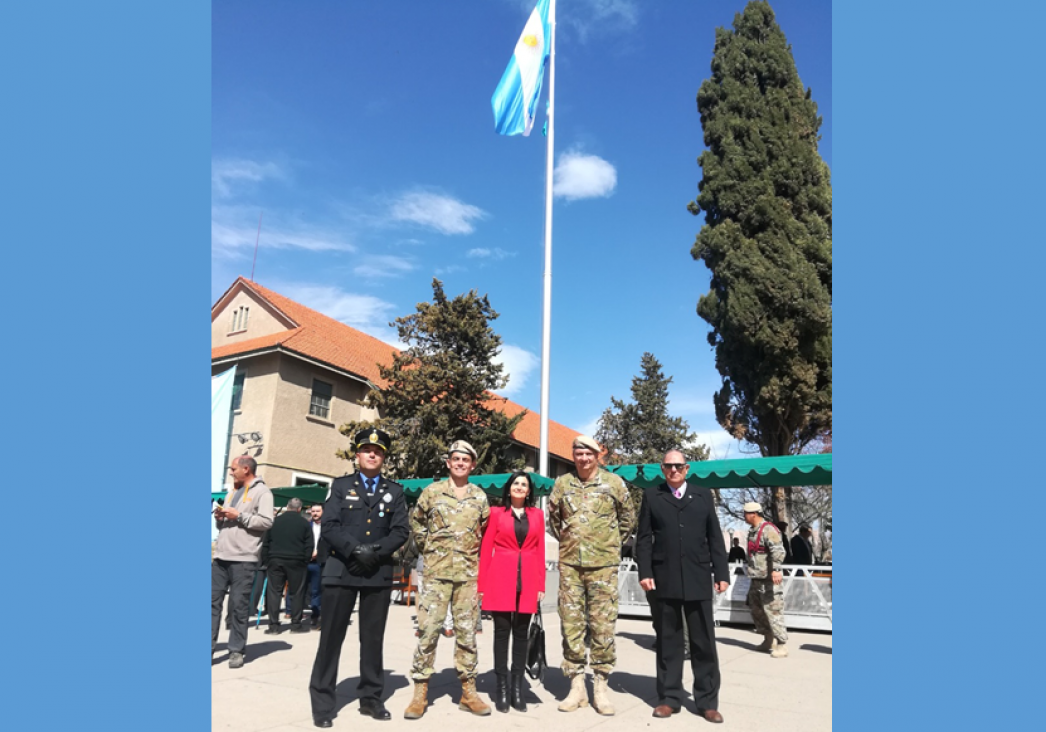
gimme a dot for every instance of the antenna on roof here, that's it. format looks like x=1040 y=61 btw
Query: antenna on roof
x=256 y=245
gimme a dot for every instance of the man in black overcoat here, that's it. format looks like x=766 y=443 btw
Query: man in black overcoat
x=679 y=547
x=364 y=522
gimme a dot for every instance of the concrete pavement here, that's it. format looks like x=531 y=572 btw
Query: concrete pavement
x=270 y=692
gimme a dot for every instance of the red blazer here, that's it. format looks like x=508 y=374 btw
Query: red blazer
x=500 y=555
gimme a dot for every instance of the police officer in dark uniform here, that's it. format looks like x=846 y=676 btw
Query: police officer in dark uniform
x=364 y=522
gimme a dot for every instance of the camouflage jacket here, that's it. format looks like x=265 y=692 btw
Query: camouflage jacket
x=768 y=555
x=448 y=532
x=591 y=520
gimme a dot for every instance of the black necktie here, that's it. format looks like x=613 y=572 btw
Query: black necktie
x=371 y=484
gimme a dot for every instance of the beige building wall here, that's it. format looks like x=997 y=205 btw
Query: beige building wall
x=256 y=406
x=306 y=444
x=260 y=319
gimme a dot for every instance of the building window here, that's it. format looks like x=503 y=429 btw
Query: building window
x=239 y=319
x=237 y=389
x=320 y=406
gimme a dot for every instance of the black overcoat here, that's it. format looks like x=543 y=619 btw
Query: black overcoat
x=680 y=544
x=350 y=517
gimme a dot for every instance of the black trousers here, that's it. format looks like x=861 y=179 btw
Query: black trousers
x=292 y=572
x=516 y=625
x=337 y=604
x=237 y=576
x=704 y=659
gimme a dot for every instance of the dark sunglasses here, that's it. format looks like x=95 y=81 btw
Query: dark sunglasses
x=674 y=466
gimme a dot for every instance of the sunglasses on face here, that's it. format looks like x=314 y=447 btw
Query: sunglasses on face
x=674 y=466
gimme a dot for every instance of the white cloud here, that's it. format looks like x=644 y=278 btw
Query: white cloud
x=229 y=172
x=583 y=176
x=234 y=230
x=590 y=427
x=449 y=269
x=363 y=312
x=445 y=214
x=380 y=266
x=589 y=17
x=519 y=364
x=495 y=255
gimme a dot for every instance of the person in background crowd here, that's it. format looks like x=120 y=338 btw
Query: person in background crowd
x=512 y=581
x=364 y=522
x=802 y=547
x=315 y=568
x=285 y=552
x=590 y=512
x=766 y=554
x=737 y=554
x=241 y=522
x=448 y=523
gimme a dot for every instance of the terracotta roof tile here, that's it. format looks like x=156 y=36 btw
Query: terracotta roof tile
x=325 y=339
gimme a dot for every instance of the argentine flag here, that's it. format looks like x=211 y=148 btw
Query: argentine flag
x=516 y=98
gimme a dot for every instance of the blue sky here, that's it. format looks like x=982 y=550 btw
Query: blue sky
x=363 y=135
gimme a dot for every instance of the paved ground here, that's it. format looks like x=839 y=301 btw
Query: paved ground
x=270 y=693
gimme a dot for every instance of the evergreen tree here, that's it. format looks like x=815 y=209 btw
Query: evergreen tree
x=767 y=240
x=642 y=431
x=439 y=388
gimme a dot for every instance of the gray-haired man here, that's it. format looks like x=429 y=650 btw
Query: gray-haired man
x=286 y=551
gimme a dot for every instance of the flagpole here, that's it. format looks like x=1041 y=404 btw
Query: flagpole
x=546 y=328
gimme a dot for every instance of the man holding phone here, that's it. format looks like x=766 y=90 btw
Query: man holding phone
x=242 y=522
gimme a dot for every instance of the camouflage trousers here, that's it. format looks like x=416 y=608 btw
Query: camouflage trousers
x=436 y=597
x=766 y=603
x=588 y=607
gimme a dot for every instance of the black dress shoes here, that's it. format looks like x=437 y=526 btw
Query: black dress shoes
x=322 y=722
x=374 y=708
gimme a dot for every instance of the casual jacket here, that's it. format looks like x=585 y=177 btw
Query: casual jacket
x=503 y=563
x=289 y=538
x=241 y=540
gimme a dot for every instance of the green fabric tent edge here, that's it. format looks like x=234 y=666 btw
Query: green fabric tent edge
x=784 y=471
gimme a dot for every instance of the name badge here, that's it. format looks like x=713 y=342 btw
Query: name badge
x=352 y=498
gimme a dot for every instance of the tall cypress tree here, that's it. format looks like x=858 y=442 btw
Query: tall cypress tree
x=767 y=240
x=439 y=389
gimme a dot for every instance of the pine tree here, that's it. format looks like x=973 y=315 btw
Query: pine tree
x=767 y=240
x=642 y=431
x=439 y=388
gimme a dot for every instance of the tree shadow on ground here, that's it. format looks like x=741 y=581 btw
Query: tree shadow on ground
x=816 y=648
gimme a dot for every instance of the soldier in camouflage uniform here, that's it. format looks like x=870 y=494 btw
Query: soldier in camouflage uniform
x=766 y=554
x=590 y=512
x=448 y=523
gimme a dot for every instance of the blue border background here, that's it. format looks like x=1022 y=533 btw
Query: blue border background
x=938 y=188
x=105 y=185
x=106 y=231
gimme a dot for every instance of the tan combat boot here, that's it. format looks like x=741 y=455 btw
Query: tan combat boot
x=470 y=701
x=601 y=696
x=780 y=650
x=417 y=705
x=767 y=644
x=578 y=696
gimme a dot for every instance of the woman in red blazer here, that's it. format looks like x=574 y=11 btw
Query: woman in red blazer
x=512 y=580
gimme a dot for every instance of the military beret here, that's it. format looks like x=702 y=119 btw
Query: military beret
x=462 y=446
x=587 y=443
x=752 y=507
x=372 y=436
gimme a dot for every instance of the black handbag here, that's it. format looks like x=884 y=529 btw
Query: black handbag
x=536 y=647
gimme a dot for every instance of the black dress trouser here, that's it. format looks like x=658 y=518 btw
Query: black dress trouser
x=293 y=573
x=337 y=603
x=517 y=625
x=704 y=660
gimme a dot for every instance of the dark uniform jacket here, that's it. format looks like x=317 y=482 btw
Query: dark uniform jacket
x=290 y=537
x=680 y=544
x=351 y=516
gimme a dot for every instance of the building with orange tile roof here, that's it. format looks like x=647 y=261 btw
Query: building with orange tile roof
x=301 y=374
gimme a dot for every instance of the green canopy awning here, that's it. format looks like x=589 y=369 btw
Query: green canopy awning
x=788 y=470
x=491 y=484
